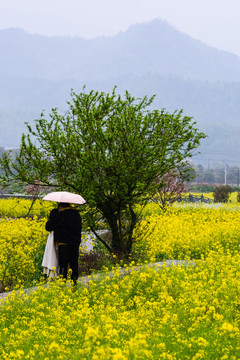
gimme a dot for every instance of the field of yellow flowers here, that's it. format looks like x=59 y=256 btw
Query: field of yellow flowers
x=170 y=313
x=188 y=231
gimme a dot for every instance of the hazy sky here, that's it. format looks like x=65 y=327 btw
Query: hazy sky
x=214 y=22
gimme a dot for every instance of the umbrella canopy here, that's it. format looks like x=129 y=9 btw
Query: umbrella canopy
x=65 y=197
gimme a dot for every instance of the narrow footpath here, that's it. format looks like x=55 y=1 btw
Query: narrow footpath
x=124 y=271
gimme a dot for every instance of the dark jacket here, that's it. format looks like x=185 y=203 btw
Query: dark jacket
x=67 y=226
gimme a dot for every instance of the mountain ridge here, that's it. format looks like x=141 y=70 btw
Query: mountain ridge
x=148 y=47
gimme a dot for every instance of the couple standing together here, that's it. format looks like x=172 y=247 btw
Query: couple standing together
x=65 y=224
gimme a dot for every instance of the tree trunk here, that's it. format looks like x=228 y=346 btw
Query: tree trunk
x=122 y=239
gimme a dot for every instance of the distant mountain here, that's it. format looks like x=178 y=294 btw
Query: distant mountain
x=38 y=72
x=154 y=47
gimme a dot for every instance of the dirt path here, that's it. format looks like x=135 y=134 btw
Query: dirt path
x=86 y=279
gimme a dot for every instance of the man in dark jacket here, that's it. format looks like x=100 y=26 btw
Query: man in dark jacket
x=66 y=223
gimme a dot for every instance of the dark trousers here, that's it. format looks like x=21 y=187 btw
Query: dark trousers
x=68 y=255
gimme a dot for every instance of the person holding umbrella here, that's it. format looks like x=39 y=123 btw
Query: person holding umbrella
x=66 y=224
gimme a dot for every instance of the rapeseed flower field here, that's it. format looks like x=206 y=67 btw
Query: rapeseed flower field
x=179 y=312
x=146 y=312
x=14 y=207
x=188 y=231
x=22 y=243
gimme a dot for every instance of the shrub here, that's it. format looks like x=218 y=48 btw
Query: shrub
x=238 y=196
x=221 y=193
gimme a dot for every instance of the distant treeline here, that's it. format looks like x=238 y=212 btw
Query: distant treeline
x=225 y=175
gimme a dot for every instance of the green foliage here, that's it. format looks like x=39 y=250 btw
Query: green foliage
x=238 y=196
x=203 y=188
x=110 y=149
x=221 y=194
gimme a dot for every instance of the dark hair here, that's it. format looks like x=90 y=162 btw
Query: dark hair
x=64 y=205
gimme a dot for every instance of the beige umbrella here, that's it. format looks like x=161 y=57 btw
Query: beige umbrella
x=65 y=197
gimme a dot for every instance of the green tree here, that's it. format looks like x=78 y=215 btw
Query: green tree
x=110 y=149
